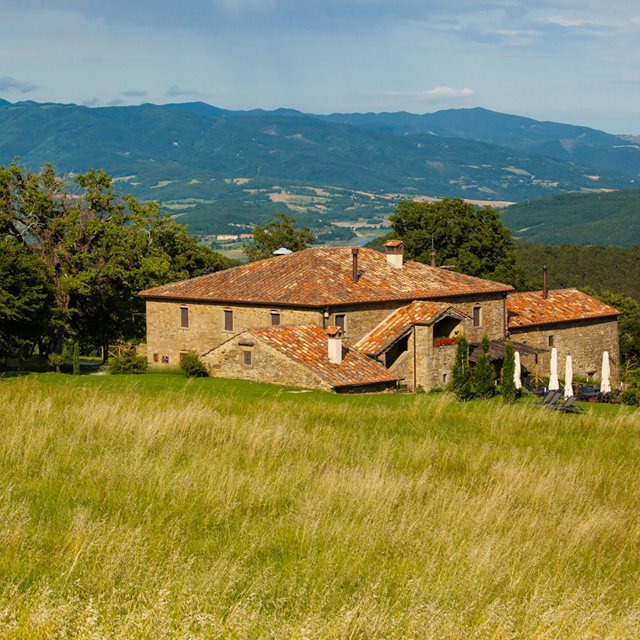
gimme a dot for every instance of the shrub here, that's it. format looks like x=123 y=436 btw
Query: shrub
x=128 y=362
x=56 y=360
x=192 y=366
x=444 y=342
x=76 y=358
x=483 y=374
x=631 y=397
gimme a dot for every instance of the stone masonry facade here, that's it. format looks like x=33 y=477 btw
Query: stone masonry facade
x=584 y=340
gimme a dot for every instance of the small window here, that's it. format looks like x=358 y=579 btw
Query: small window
x=228 y=320
x=184 y=317
x=165 y=359
x=183 y=355
x=445 y=378
x=275 y=318
x=247 y=358
x=550 y=339
x=477 y=316
x=341 y=321
x=155 y=357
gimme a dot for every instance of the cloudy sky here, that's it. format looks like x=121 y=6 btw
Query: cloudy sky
x=574 y=61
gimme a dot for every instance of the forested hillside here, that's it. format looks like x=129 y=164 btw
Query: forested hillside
x=578 y=218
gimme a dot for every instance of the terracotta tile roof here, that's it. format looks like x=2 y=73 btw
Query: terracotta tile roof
x=307 y=345
x=319 y=277
x=562 y=305
x=396 y=324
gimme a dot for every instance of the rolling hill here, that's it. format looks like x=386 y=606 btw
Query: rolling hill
x=578 y=218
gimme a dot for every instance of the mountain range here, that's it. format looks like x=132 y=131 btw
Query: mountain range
x=325 y=168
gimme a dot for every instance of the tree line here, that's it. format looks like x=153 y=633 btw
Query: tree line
x=73 y=256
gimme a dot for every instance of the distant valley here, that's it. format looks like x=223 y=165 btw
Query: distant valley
x=222 y=171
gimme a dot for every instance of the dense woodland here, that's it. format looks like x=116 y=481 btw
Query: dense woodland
x=74 y=257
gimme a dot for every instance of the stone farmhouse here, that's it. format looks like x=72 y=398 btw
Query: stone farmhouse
x=353 y=320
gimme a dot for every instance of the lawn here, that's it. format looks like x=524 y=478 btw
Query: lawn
x=160 y=507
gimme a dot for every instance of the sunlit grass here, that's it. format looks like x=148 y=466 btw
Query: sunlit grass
x=155 y=507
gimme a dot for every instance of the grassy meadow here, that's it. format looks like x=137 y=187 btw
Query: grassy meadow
x=160 y=507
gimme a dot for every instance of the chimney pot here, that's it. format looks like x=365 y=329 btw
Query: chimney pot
x=395 y=253
x=545 y=282
x=334 y=344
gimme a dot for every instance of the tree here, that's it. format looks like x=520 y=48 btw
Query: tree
x=483 y=374
x=461 y=375
x=508 y=387
x=469 y=239
x=280 y=232
x=25 y=295
x=98 y=248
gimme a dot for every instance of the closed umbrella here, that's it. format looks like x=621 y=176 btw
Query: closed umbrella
x=568 y=378
x=517 y=371
x=605 y=382
x=554 y=384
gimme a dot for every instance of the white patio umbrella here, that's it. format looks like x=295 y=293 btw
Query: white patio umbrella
x=568 y=378
x=517 y=371
x=605 y=381
x=554 y=384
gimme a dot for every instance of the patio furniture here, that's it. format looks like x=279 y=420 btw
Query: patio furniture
x=569 y=406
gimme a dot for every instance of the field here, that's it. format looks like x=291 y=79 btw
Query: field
x=158 y=507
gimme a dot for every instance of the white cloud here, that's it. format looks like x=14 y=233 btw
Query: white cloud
x=565 y=22
x=8 y=83
x=444 y=93
x=179 y=91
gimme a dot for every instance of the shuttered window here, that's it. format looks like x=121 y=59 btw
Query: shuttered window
x=228 y=320
x=184 y=317
x=247 y=358
x=275 y=318
x=341 y=321
x=477 y=316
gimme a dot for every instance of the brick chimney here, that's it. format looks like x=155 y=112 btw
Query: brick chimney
x=354 y=265
x=334 y=344
x=394 y=250
x=545 y=282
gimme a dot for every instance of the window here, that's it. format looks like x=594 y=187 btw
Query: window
x=247 y=358
x=183 y=355
x=165 y=359
x=477 y=316
x=155 y=357
x=444 y=378
x=341 y=321
x=228 y=320
x=275 y=318
x=550 y=341
x=184 y=317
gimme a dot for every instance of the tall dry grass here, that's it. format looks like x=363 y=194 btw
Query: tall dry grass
x=157 y=508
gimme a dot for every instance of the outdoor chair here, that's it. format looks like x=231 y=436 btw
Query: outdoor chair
x=569 y=406
x=551 y=399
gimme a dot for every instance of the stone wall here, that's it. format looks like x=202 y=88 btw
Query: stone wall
x=167 y=339
x=584 y=340
x=267 y=364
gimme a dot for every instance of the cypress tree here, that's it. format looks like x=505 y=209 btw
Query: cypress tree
x=509 y=391
x=484 y=373
x=461 y=375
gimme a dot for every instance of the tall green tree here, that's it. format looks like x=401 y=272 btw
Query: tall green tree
x=461 y=374
x=508 y=386
x=99 y=249
x=25 y=296
x=483 y=374
x=281 y=232
x=467 y=238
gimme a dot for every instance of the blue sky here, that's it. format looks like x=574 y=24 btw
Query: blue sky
x=565 y=60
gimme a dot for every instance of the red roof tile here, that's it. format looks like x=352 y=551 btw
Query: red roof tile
x=562 y=305
x=307 y=345
x=396 y=324
x=319 y=277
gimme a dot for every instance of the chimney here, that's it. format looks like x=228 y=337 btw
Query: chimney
x=433 y=257
x=354 y=272
x=545 y=283
x=334 y=344
x=395 y=251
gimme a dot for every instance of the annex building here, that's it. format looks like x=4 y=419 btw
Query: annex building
x=350 y=320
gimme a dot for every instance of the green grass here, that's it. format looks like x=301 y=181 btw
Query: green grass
x=159 y=507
